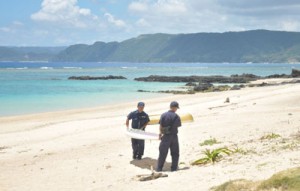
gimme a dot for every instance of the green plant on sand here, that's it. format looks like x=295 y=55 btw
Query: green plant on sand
x=239 y=150
x=210 y=142
x=212 y=156
x=270 y=136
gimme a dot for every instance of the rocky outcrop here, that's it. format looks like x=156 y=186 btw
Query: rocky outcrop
x=204 y=84
x=295 y=73
x=110 y=77
x=203 y=87
x=192 y=80
x=278 y=76
x=245 y=78
x=237 y=87
x=169 y=91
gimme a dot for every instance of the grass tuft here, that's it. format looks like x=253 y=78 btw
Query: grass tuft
x=270 y=136
x=210 y=142
x=212 y=156
x=288 y=180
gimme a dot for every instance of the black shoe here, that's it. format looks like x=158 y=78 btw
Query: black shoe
x=139 y=157
x=134 y=157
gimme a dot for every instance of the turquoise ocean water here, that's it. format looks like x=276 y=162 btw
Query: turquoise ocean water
x=31 y=87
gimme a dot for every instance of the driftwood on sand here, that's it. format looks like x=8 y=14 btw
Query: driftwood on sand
x=152 y=176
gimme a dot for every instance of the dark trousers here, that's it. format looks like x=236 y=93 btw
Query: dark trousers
x=138 y=147
x=168 y=141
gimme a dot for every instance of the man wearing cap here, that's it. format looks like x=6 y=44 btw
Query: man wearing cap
x=169 y=123
x=140 y=120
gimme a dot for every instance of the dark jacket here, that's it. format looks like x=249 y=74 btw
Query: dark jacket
x=170 y=118
x=138 y=119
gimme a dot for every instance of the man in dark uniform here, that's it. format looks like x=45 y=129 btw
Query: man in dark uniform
x=169 y=123
x=140 y=120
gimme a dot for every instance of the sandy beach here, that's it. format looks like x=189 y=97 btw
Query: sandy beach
x=87 y=149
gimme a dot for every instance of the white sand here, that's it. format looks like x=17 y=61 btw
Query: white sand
x=87 y=149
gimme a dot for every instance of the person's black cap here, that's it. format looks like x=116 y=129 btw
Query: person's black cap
x=141 y=104
x=174 y=104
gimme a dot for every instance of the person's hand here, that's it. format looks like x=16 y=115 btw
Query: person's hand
x=160 y=136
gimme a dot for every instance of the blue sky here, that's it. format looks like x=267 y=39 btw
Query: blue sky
x=67 y=22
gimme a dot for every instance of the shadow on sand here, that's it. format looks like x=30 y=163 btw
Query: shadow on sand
x=147 y=162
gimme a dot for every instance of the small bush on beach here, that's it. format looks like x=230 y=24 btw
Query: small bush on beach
x=212 y=156
x=210 y=142
x=285 y=180
x=288 y=180
x=270 y=136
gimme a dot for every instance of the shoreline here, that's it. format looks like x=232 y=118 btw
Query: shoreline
x=87 y=148
x=159 y=95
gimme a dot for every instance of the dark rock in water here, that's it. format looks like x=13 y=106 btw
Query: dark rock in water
x=176 y=92
x=236 y=87
x=156 y=78
x=201 y=79
x=191 y=84
x=263 y=84
x=220 y=88
x=278 y=76
x=251 y=76
x=202 y=87
x=295 y=73
x=110 y=77
x=207 y=87
x=143 y=91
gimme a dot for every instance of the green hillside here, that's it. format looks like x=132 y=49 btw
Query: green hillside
x=248 y=46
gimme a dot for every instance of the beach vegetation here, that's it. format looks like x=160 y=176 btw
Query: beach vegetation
x=235 y=185
x=260 y=166
x=270 y=136
x=239 y=150
x=209 y=142
x=293 y=145
x=212 y=156
x=288 y=180
x=3 y=147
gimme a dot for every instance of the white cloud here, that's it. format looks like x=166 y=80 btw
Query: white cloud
x=189 y=16
x=290 y=25
x=170 y=7
x=64 y=11
x=142 y=23
x=5 y=29
x=167 y=7
x=117 y=22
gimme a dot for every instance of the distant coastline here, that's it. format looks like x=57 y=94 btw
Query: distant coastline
x=255 y=46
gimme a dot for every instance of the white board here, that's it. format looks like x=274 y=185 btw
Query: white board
x=139 y=134
x=185 y=118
